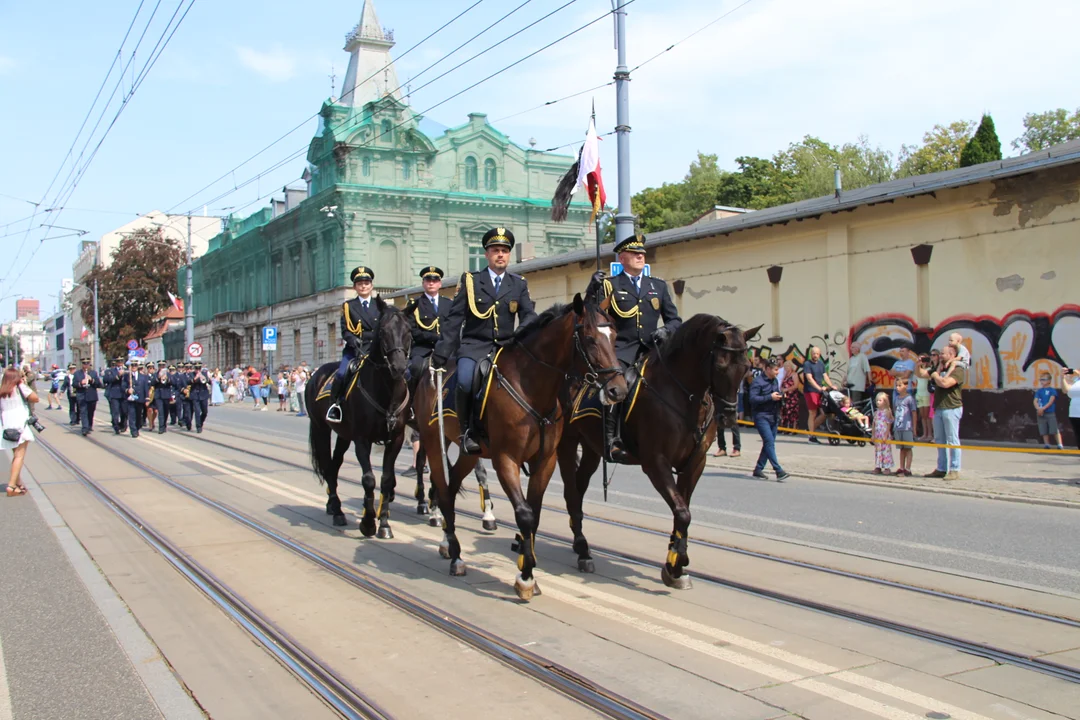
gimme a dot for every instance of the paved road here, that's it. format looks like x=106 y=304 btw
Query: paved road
x=1011 y=542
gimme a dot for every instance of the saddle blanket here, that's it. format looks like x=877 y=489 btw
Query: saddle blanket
x=587 y=401
x=450 y=395
x=324 y=391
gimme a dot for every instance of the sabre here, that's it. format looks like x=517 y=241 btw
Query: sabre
x=438 y=373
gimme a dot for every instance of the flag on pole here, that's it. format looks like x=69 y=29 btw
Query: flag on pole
x=177 y=302
x=583 y=173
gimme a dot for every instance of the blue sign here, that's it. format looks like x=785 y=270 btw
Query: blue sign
x=269 y=337
x=140 y=353
x=616 y=268
x=133 y=345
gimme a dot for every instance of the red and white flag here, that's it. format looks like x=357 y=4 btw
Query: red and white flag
x=85 y=333
x=589 y=170
x=177 y=302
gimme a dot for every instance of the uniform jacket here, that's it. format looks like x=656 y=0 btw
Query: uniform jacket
x=90 y=392
x=180 y=381
x=115 y=381
x=200 y=385
x=165 y=389
x=138 y=386
x=425 y=324
x=67 y=384
x=637 y=315
x=358 y=324
x=467 y=331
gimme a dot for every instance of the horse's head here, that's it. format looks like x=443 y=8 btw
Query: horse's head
x=394 y=339
x=729 y=364
x=594 y=340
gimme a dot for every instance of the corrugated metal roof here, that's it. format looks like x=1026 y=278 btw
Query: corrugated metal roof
x=1058 y=155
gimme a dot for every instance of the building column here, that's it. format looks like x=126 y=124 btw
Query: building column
x=921 y=255
x=775 y=272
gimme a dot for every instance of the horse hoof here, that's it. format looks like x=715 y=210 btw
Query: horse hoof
x=586 y=565
x=422 y=509
x=433 y=521
x=457 y=568
x=385 y=533
x=340 y=521
x=367 y=530
x=525 y=589
x=391 y=496
x=677 y=583
x=444 y=550
x=491 y=525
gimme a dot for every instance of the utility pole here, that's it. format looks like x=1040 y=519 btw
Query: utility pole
x=189 y=311
x=624 y=220
x=97 y=329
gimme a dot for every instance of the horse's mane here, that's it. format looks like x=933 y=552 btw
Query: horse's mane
x=691 y=331
x=540 y=322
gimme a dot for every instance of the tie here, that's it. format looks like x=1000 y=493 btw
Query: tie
x=498 y=283
x=364 y=303
x=435 y=304
x=637 y=284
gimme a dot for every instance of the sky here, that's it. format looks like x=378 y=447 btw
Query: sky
x=238 y=75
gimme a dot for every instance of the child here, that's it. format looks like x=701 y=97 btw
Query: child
x=1046 y=411
x=282 y=391
x=847 y=409
x=904 y=427
x=883 y=422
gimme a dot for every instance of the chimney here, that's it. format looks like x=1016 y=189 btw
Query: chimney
x=837 y=183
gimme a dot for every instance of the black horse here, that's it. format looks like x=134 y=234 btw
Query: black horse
x=374 y=411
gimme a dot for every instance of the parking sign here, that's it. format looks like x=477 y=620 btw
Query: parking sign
x=270 y=337
x=616 y=268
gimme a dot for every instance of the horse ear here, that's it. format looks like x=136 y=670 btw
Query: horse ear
x=380 y=303
x=579 y=305
x=749 y=335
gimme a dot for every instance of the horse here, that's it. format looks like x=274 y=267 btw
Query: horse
x=373 y=411
x=669 y=430
x=522 y=414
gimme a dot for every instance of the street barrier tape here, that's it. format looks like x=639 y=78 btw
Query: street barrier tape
x=905 y=443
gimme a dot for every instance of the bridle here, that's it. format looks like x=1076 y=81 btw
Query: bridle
x=384 y=364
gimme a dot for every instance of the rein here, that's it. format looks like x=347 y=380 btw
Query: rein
x=385 y=365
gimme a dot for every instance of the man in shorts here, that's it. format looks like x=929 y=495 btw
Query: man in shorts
x=815 y=381
x=1046 y=411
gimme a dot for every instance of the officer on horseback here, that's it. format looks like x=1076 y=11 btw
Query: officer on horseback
x=481 y=317
x=424 y=315
x=638 y=303
x=359 y=317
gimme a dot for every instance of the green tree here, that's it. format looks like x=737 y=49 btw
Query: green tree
x=1053 y=127
x=659 y=208
x=9 y=344
x=984 y=146
x=133 y=289
x=813 y=162
x=940 y=150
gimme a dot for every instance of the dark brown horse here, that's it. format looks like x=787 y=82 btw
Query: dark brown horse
x=669 y=430
x=524 y=419
x=373 y=412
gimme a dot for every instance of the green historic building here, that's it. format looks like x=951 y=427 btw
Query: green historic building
x=385 y=188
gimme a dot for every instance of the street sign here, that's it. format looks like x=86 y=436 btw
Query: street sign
x=194 y=350
x=616 y=268
x=133 y=345
x=140 y=352
x=270 y=337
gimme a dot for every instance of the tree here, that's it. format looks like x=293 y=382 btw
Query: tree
x=1053 y=127
x=9 y=343
x=983 y=147
x=813 y=164
x=133 y=289
x=940 y=150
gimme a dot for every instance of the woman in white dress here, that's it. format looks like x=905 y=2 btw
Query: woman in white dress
x=14 y=414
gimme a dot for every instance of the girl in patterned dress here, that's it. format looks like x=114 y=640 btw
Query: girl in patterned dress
x=789 y=411
x=883 y=422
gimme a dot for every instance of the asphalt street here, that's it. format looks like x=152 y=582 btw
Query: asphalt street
x=1028 y=545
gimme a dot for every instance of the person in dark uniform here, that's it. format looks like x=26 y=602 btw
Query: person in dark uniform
x=359 y=317
x=638 y=304
x=184 y=398
x=200 y=396
x=115 y=379
x=481 y=317
x=136 y=388
x=164 y=399
x=67 y=386
x=425 y=314
x=87 y=382
x=174 y=406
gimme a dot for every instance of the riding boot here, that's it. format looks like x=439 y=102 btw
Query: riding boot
x=616 y=452
x=469 y=446
x=333 y=413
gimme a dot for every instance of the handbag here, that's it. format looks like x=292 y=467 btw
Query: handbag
x=15 y=434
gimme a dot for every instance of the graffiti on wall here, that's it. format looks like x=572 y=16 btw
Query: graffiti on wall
x=834 y=353
x=1006 y=353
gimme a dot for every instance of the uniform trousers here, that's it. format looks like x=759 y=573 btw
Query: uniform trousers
x=164 y=409
x=73 y=409
x=86 y=414
x=199 y=406
x=118 y=413
x=136 y=416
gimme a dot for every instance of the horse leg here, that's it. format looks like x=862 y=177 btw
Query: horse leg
x=508 y=471
x=450 y=547
x=436 y=517
x=386 y=488
x=333 y=502
x=543 y=469
x=486 y=505
x=663 y=480
x=367 y=520
x=575 y=477
x=688 y=480
x=420 y=495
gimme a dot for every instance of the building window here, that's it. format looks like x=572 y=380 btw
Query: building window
x=470 y=173
x=406 y=169
x=387 y=130
x=60 y=323
x=366 y=164
x=477 y=259
x=490 y=176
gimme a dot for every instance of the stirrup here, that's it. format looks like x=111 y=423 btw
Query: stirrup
x=469 y=446
x=616 y=454
x=333 y=413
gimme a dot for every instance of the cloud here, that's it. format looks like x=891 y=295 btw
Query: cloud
x=276 y=65
x=6 y=65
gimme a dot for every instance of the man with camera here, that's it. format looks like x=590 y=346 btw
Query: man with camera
x=947 y=379
x=1070 y=383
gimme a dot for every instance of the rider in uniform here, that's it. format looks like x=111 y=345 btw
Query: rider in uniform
x=638 y=303
x=359 y=317
x=425 y=314
x=481 y=317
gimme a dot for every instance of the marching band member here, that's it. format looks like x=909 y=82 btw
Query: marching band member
x=164 y=396
x=137 y=387
x=115 y=380
x=200 y=396
x=87 y=381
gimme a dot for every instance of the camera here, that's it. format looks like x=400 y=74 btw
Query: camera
x=35 y=423
x=1070 y=371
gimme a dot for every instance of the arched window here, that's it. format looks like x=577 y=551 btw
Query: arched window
x=386 y=129
x=470 y=173
x=366 y=163
x=406 y=169
x=491 y=181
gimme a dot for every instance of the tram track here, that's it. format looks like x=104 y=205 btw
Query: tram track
x=985 y=650
x=348 y=701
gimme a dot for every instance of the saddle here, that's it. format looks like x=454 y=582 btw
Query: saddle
x=587 y=400
x=353 y=373
x=483 y=381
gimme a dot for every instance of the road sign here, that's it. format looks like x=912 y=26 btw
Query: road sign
x=133 y=345
x=194 y=350
x=140 y=352
x=616 y=268
x=270 y=337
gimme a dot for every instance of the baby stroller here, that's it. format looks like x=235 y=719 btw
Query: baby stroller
x=838 y=424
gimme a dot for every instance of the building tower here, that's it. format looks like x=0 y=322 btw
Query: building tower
x=371 y=73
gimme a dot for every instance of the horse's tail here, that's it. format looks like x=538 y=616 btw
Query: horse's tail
x=319 y=433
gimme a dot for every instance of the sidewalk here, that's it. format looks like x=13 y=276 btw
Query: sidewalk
x=1017 y=476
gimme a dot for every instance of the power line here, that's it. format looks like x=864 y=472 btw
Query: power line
x=701 y=29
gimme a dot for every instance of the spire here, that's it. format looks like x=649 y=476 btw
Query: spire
x=369 y=45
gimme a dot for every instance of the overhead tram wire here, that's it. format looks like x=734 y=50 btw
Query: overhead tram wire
x=308 y=119
x=440 y=103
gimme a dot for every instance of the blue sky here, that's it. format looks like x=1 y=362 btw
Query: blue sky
x=237 y=75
